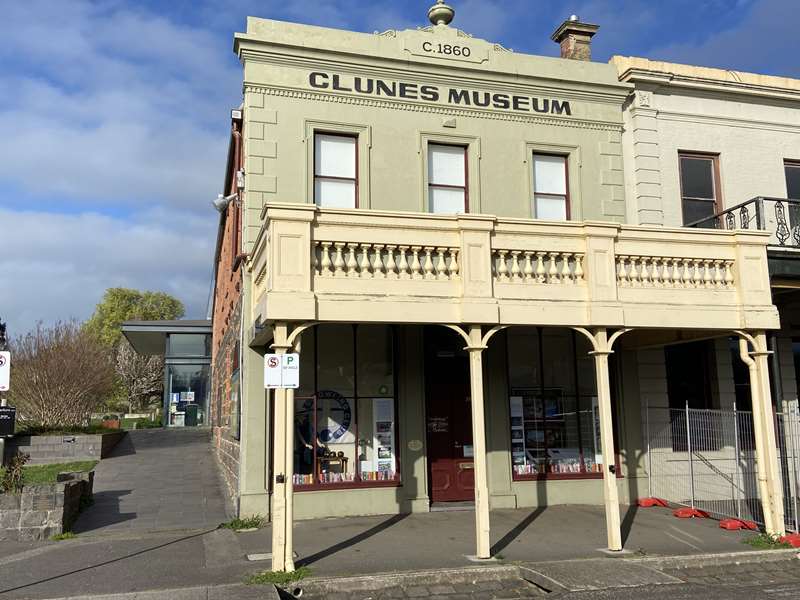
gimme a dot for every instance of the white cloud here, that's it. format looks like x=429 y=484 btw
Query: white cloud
x=764 y=41
x=113 y=105
x=58 y=266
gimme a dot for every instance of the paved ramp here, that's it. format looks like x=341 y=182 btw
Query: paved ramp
x=156 y=479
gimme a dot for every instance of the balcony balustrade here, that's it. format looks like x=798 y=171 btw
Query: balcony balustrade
x=780 y=217
x=364 y=266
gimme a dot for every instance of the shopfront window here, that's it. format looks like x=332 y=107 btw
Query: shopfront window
x=345 y=408
x=188 y=395
x=555 y=429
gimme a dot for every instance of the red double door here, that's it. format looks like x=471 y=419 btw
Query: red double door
x=448 y=417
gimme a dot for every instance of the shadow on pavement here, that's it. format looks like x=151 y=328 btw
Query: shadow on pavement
x=516 y=531
x=103 y=563
x=627 y=522
x=103 y=512
x=351 y=541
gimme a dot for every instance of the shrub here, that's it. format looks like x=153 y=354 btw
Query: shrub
x=62 y=374
x=14 y=474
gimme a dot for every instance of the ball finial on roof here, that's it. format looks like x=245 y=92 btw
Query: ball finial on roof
x=440 y=13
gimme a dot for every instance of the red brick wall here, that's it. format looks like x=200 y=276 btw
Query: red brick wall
x=226 y=334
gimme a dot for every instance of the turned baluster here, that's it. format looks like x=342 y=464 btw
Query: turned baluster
x=697 y=277
x=540 y=272
x=708 y=280
x=634 y=274
x=338 y=261
x=717 y=273
x=622 y=270
x=516 y=272
x=314 y=260
x=377 y=262
x=502 y=267
x=441 y=264
x=728 y=272
x=674 y=278
x=326 y=259
x=402 y=266
x=527 y=268
x=579 y=268
x=351 y=264
x=364 y=266
x=428 y=266
x=391 y=265
x=566 y=271
x=454 y=263
x=686 y=275
x=416 y=268
x=658 y=266
x=552 y=270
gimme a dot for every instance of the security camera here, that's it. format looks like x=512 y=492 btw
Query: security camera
x=221 y=202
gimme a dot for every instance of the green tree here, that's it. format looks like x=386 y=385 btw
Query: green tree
x=123 y=304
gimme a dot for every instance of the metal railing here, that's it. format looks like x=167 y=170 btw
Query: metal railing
x=779 y=216
x=706 y=459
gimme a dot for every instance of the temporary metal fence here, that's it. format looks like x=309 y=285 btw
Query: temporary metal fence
x=706 y=459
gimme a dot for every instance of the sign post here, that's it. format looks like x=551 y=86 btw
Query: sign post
x=5 y=382
x=281 y=371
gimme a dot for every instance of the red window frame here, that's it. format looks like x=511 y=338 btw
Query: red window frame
x=567 y=199
x=317 y=176
x=464 y=188
x=714 y=158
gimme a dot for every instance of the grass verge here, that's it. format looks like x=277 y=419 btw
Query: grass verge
x=278 y=577
x=43 y=474
x=39 y=474
x=764 y=541
x=254 y=522
x=67 y=535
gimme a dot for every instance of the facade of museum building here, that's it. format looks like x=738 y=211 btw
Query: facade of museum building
x=443 y=230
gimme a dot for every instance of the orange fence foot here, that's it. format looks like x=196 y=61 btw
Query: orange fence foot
x=690 y=513
x=737 y=524
x=650 y=502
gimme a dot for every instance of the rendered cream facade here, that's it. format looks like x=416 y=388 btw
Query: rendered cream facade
x=620 y=287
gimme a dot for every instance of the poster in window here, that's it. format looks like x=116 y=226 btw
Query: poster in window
x=384 y=441
x=598 y=449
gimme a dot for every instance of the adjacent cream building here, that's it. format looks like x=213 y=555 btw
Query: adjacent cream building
x=478 y=289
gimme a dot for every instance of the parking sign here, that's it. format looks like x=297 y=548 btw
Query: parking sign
x=281 y=371
x=5 y=371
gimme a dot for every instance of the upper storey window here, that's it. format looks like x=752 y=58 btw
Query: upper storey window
x=700 y=195
x=792 y=180
x=447 y=179
x=335 y=170
x=550 y=188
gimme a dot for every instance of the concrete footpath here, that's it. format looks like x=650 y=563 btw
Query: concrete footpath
x=538 y=552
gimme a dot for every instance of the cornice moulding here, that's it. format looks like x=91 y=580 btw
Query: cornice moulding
x=637 y=76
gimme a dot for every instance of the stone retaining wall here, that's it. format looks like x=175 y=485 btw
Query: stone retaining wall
x=42 y=511
x=47 y=449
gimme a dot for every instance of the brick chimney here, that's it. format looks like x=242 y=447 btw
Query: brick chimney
x=575 y=38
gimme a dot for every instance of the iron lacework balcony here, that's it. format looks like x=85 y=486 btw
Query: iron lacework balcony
x=778 y=216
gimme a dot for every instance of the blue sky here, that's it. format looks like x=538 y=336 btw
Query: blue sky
x=114 y=119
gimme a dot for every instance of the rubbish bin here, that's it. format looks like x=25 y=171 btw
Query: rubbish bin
x=190 y=420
